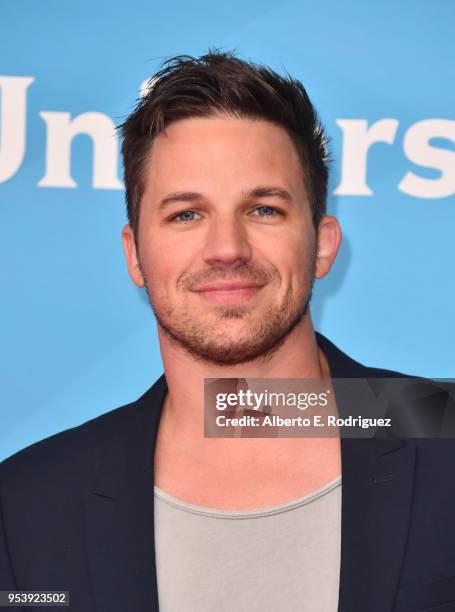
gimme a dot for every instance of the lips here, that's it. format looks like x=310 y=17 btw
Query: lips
x=229 y=292
x=228 y=286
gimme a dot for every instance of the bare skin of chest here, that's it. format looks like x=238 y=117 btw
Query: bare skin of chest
x=243 y=474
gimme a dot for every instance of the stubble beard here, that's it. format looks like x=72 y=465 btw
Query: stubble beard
x=206 y=341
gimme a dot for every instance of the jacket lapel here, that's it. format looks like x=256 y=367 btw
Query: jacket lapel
x=119 y=509
x=376 y=501
x=377 y=489
x=119 y=512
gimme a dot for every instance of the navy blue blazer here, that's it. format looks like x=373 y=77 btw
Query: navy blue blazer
x=77 y=513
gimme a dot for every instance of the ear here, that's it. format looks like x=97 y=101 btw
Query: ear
x=131 y=254
x=328 y=242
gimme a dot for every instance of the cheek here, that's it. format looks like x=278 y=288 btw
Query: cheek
x=291 y=260
x=300 y=268
x=163 y=267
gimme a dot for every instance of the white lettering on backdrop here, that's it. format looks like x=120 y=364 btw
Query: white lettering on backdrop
x=60 y=132
x=358 y=138
x=13 y=105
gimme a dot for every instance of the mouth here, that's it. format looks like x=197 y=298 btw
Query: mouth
x=234 y=292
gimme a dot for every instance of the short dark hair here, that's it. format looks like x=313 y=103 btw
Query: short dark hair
x=221 y=83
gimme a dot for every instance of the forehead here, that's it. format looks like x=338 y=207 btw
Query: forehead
x=222 y=153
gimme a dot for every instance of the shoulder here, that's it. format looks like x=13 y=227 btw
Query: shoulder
x=343 y=366
x=71 y=456
x=420 y=409
x=76 y=447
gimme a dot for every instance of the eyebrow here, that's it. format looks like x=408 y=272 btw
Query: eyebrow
x=179 y=196
x=264 y=191
x=268 y=191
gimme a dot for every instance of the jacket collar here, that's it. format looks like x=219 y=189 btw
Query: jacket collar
x=119 y=509
x=377 y=486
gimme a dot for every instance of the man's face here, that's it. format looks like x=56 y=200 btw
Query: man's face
x=226 y=243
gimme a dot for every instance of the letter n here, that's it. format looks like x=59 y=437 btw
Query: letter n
x=61 y=130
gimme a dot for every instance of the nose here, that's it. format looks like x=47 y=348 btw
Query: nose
x=227 y=242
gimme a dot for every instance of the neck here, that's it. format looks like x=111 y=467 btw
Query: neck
x=211 y=471
x=298 y=357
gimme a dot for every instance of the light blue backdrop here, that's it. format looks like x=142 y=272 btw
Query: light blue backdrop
x=77 y=338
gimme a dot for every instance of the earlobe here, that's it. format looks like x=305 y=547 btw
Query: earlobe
x=329 y=240
x=131 y=254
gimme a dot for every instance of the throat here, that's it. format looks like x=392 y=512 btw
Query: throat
x=245 y=474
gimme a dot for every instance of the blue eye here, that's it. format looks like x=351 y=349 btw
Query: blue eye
x=185 y=216
x=266 y=211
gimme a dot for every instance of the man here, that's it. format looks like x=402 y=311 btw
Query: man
x=226 y=179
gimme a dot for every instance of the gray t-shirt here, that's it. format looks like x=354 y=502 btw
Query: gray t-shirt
x=285 y=558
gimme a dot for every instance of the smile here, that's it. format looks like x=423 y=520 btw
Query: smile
x=229 y=293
